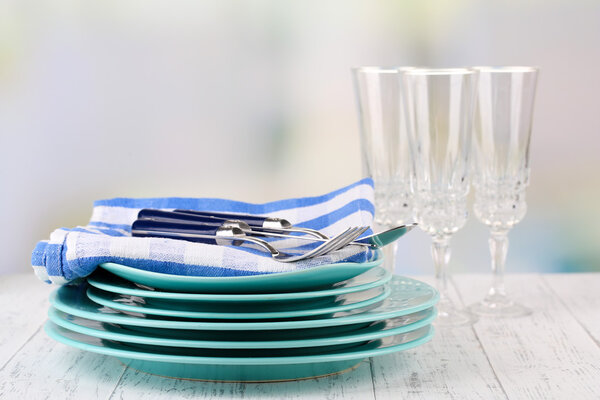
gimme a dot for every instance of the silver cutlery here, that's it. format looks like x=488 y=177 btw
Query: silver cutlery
x=235 y=236
x=254 y=221
x=164 y=218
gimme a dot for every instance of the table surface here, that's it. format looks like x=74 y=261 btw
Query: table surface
x=552 y=354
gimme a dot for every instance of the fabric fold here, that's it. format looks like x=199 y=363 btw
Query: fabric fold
x=73 y=253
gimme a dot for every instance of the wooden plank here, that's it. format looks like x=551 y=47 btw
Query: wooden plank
x=24 y=301
x=36 y=366
x=44 y=368
x=356 y=384
x=541 y=356
x=452 y=365
x=551 y=354
x=580 y=293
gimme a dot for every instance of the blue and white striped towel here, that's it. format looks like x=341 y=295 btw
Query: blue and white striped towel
x=75 y=253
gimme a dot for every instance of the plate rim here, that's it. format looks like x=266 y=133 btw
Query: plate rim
x=385 y=292
x=270 y=344
x=232 y=297
x=194 y=325
x=239 y=360
x=377 y=260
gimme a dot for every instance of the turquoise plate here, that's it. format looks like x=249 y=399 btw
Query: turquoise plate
x=232 y=340
x=291 y=334
x=264 y=310
x=111 y=283
x=306 y=279
x=240 y=365
x=407 y=296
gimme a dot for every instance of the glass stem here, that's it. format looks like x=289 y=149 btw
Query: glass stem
x=389 y=256
x=440 y=252
x=498 y=248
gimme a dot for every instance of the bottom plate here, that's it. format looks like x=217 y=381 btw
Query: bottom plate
x=239 y=365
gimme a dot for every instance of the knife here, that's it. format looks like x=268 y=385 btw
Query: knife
x=255 y=221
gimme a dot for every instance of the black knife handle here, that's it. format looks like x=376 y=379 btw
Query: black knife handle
x=173 y=230
x=252 y=220
x=171 y=216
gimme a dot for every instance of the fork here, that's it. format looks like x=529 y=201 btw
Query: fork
x=174 y=220
x=231 y=235
x=333 y=244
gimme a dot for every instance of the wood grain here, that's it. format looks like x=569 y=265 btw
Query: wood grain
x=47 y=369
x=547 y=355
x=453 y=365
x=24 y=304
x=553 y=354
x=579 y=294
x=353 y=385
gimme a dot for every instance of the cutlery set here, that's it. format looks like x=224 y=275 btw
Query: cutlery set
x=253 y=231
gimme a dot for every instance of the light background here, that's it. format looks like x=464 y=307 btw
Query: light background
x=253 y=100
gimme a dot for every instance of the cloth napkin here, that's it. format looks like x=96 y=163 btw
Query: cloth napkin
x=73 y=253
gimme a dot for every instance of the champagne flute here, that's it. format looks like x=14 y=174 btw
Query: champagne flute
x=384 y=145
x=502 y=133
x=439 y=109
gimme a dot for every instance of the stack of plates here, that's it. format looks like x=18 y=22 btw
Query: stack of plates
x=294 y=325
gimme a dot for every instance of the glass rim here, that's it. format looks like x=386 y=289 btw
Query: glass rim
x=441 y=71
x=381 y=70
x=507 y=69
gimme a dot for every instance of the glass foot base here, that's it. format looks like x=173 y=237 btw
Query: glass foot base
x=503 y=308
x=450 y=317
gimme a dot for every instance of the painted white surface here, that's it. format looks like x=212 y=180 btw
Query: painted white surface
x=553 y=354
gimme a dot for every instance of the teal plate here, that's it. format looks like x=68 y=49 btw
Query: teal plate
x=240 y=365
x=111 y=283
x=301 y=280
x=264 y=310
x=287 y=334
x=407 y=296
x=249 y=340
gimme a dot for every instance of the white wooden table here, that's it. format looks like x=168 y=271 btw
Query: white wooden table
x=553 y=354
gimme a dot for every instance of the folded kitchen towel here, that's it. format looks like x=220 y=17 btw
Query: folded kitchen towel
x=76 y=252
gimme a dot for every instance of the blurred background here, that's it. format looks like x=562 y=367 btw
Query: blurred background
x=253 y=100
